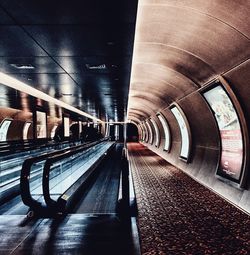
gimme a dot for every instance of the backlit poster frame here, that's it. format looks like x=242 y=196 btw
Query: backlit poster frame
x=186 y=140
x=80 y=127
x=26 y=128
x=53 y=131
x=40 y=126
x=233 y=132
x=116 y=132
x=4 y=121
x=146 y=132
x=66 y=126
x=167 y=133
x=157 y=133
x=150 y=132
x=107 y=129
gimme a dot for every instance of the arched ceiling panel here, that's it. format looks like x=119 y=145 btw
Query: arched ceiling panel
x=170 y=93
x=184 y=44
x=139 y=114
x=163 y=73
x=150 y=81
x=136 y=122
x=194 y=32
x=234 y=13
x=174 y=58
x=144 y=104
x=135 y=117
x=155 y=97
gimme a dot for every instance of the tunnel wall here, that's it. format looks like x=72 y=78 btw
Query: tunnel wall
x=19 y=118
x=205 y=149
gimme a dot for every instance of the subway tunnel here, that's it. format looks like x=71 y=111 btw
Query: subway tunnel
x=124 y=127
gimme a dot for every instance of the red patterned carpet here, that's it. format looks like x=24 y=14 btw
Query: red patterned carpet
x=180 y=216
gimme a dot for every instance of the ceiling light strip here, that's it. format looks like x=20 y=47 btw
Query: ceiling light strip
x=18 y=85
x=115 y=122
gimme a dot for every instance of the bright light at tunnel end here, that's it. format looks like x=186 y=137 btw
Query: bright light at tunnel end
x=21 y=86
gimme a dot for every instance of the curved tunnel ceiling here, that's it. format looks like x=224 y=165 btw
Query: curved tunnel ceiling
x=180 y=46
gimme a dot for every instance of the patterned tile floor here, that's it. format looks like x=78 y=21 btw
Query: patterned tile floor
x=180 y=216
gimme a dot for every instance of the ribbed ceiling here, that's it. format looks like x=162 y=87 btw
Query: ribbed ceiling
x=180 y=46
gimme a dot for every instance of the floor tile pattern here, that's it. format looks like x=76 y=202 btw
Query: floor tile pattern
x=177 y=215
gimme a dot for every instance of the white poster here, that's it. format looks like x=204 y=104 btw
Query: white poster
x=157 y=134
x=166 y=131
x=41 y=124
x=53 y=132
x=150 y=137
x=25 y=130
x=66 y=126
x=4 y=129
x=184 y=132
x=80 y=127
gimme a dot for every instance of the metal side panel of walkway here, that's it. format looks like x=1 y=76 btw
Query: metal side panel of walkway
x=177 y=215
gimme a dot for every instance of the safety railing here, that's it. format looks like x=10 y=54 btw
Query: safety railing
x=65 y=174
x=11 y=165
x=31 y=183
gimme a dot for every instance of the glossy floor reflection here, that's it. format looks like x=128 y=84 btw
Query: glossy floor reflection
x=75 y=234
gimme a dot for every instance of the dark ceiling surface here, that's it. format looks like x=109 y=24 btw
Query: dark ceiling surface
x=67 y=42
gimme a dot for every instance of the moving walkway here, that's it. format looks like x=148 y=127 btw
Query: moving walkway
x=12 y=156
x=85 y=178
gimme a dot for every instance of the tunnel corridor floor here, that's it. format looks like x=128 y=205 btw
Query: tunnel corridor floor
x=89 y=234
x=177 y=215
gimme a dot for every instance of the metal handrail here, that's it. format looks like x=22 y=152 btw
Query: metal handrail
x=26 y=145
x=53 y=205
x=25 y=177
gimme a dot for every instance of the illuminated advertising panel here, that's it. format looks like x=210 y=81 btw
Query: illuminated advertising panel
x=25 y=130
x=230 y=133
x=107 y=131
x=80 y=127
x=116 y=132
x=157 y=134
x=4 y=129
x=185 y=137
x=166 y=131
x=41 y=124
x=66 y=126
x=150 y=133
x=146 y=133
x=53 y=131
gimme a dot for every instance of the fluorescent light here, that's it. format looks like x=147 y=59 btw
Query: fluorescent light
x=98 y=67
x=20 y=66
x=18 y=85
x=115 y=122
